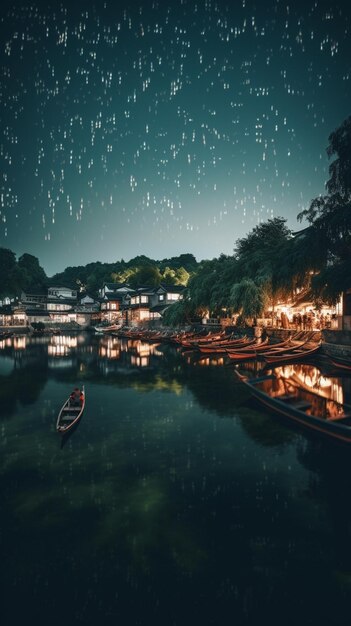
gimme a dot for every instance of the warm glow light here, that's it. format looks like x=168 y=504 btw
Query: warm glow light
x=59 y=350
x=310 y=377
x=19 y=343
x=66 y=340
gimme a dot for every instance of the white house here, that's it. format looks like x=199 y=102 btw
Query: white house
x=62 y=293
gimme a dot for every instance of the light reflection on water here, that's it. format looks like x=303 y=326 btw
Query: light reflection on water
x=174 y=502
x=312 y=378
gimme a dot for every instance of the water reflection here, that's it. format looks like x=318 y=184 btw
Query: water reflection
x=174 y=491
x=61 y=345
x=132 y=352
x=131 y=362
x=321 y=378
x=312 y=378
x=201 y=361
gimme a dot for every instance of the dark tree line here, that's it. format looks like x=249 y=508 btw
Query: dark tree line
x=26 y=274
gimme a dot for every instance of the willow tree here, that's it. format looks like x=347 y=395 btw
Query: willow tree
x=201 y=285
x=179 y=313
x=226 y=273
x=247 y=299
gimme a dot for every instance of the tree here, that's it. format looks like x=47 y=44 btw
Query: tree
x=72 y=277
x=33 y=275
x=259 y=251
x=225 y=275
x=125 y=275
x=187 y=261
x=178 y=313
x=182 y=276
x=169 y=276
x=146 y=275
x=340 y=168
x=200 y=287
x=247 y=299
x=329 y=217
x=8 y=268
x=262 y=258
x=178 y=276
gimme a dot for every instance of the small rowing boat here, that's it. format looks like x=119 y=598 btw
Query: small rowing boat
x=295 y=354
x=107 y=329
x=70 y=413
x=289 y=399
x=225 y=346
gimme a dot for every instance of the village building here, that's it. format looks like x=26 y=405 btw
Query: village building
x=114 y=298
x=148 y=304
x=87 y=310
x=165 y=296
x=138 y=311
x=6 y=314
x=118 y=303
x=53 y=306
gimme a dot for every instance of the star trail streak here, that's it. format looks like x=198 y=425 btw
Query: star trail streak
x=164 y=127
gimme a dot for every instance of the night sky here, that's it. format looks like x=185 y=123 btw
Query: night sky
x=164 y=127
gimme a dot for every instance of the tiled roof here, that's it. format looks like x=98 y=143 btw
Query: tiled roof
x=114 y=286
x=158 y=308
x=172 y=288
x=113 y=296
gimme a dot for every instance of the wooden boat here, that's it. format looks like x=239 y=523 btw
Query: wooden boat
x=285 y=397
x=262 y=348
x=265 y=346
x=249 y=352
x=292 y=355
x=224 y=347
x=203 y=340
x=242 y=356
x=69 y=415
x=277 y=349
x=107 y=329
x=177 y=338
x=341 y=363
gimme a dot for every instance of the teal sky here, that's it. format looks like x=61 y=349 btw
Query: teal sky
x=167 y=128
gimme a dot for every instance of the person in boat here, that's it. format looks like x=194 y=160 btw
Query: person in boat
x=76 y=397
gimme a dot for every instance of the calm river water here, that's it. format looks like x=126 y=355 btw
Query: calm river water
x=175 y=501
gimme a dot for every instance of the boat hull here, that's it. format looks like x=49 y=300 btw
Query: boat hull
x=292 y=356
x=341 y=363
x=69 y=416
x=331 y=428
